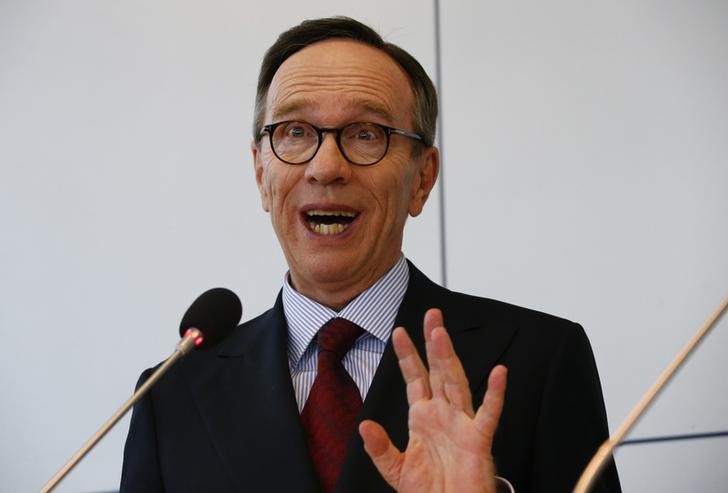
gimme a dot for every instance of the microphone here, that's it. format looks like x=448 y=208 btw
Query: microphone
x=206 y=322
x=215 y=312
x=605 y=451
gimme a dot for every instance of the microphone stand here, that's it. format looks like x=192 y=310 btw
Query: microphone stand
x=599 y=460
x=191 y=339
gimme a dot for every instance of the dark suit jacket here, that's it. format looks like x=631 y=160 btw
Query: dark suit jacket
x=226 y=420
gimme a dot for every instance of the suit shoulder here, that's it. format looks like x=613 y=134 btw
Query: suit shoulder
x=468 y=309
x=251 y=331
x=510 y=313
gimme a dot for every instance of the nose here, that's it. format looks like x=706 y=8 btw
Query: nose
x=328 y=165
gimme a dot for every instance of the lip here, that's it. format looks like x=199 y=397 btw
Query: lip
x=328 y=207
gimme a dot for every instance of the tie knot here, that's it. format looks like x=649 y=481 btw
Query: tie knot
x=338 y=335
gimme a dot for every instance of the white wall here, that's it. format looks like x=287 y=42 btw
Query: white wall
x=587 y=175
x=585 y=166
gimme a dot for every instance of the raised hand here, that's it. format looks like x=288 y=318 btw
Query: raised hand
x=449 y=443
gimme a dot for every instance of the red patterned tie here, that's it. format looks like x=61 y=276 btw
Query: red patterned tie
x=332 y=408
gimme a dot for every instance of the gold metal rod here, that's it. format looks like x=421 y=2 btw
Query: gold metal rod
x=606 y=450
x=183 y=347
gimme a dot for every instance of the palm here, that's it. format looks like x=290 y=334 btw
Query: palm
x=445 y=448
x=449 y=444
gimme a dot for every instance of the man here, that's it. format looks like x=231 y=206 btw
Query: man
x=343 y=153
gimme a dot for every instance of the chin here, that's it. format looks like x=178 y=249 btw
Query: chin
x=321 y=267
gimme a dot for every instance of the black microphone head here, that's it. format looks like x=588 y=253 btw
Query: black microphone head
x=214 y=313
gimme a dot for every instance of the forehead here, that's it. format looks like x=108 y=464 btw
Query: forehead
x=335 y=80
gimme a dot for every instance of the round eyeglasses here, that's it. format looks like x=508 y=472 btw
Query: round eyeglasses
x=361 y=143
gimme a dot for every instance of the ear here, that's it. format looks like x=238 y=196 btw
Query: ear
x=429 y=168
x=259 y=178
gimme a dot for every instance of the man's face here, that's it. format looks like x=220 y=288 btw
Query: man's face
x=331 y=84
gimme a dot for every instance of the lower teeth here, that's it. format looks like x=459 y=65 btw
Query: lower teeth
x=328 y=229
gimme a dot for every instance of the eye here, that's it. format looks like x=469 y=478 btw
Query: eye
x=297 y=130
x=363 y=132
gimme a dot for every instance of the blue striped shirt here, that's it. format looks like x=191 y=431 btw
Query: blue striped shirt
x=374 y=310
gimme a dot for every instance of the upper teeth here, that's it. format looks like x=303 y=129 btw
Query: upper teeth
x=331 y=213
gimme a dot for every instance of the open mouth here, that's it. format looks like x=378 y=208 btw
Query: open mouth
x=329 y=222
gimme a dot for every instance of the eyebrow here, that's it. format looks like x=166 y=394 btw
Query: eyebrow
x=296 y=105
x=379 y=110
x=291 y=107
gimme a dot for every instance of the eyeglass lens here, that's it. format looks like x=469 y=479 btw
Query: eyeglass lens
x=360 y=143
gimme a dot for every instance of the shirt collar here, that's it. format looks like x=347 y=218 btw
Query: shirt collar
x=374 y=310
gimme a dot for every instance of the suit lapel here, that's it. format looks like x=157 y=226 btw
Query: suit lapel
x=248 y=404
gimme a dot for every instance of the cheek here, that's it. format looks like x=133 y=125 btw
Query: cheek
x=396 y=193
x=394 y=180
x=406 y=186
x=279 y=180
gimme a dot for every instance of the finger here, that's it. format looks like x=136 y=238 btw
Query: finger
x=413 y=369
x=433 y=319
x=455 y=382
x=386 y=457
x=486 y=419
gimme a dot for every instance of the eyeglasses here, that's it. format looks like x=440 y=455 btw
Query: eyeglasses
x=361 y=143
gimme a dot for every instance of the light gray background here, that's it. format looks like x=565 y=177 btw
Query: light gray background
x=585 y=165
